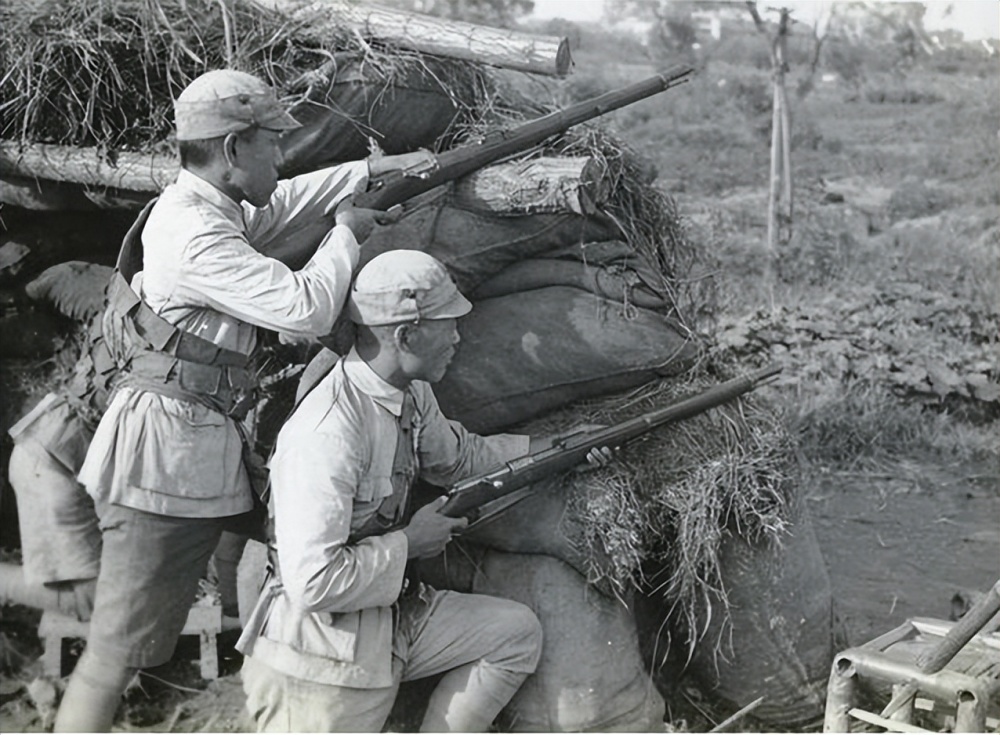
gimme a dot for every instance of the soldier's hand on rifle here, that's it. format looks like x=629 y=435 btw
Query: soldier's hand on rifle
x=429 y=532
x=362 y=221
x=596 y=457
x=600 y=456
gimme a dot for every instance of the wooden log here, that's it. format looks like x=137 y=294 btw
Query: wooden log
x=509 y=49
x=539 y=185
x=149 y=172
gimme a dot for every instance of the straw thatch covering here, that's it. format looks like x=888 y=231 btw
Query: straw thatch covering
x=105 y=73
x=655 y=519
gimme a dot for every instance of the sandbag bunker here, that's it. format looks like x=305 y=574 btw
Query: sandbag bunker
x=691 y=558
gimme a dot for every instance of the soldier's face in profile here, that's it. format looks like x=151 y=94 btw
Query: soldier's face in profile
x=257 y=159
x=430 y=347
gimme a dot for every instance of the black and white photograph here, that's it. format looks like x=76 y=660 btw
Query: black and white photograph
x=500 y=366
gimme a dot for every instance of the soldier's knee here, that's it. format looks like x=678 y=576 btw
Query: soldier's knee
x=524 y=640
x=22 y=468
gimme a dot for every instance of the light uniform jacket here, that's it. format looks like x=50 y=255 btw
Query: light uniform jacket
x=206 y=270
x=328 y=617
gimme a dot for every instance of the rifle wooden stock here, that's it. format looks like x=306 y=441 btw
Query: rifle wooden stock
x=467 y=496
x=396 y=187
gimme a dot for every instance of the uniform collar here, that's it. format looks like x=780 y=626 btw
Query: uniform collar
x=189 y=181
x=370 y=383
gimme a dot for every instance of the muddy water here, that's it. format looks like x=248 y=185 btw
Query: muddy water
x=900 y=544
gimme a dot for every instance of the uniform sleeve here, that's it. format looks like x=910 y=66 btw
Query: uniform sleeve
x=449 y=453
x=223 y=272
x=300 y=212
x=314 y=480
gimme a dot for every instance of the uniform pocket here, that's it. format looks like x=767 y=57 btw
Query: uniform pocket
x=373 y=488
x=328 y=635
x=185 y=450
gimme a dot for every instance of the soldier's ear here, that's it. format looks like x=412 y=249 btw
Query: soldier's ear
x=403 y=336
x=229 y=149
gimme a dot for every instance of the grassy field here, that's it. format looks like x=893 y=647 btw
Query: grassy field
x=883 y=305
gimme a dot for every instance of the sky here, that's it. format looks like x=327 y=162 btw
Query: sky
x=974 y=18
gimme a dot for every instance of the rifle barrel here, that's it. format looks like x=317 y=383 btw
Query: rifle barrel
x=396 y=188
x=468 y=495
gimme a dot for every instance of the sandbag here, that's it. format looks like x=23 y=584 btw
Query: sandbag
x=782 y=635
x=404 y=113
x=611 y=282
x=524 y=354
x=590 y=677
x=476 y=246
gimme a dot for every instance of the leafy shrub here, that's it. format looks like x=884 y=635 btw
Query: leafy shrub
x=913 y=198
x=753 y=96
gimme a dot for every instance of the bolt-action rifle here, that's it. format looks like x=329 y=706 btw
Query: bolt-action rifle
x=395 y=187
x=467 y=497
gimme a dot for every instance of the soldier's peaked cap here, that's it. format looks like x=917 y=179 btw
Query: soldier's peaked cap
x=227 y=101
x=404 y=286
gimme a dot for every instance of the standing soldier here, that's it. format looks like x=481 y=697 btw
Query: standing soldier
x=167 y=464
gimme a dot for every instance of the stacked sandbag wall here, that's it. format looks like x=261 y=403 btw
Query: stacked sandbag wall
x=767 y=631
x=591 y=676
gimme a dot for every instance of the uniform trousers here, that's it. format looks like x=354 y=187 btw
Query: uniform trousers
x=487 y=644
x=150 y=568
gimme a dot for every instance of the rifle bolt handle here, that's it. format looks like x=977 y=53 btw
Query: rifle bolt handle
x=498 y=484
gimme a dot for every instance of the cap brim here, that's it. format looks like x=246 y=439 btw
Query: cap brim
x=281 y=121
x=457 y=306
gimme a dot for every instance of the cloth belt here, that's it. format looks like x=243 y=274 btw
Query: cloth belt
x=87 y=392
x=167 y=360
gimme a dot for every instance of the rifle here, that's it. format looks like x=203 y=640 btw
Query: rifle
x=467 y=497
x=395 y=187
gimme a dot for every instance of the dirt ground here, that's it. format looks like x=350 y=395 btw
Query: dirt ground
x=902 y=545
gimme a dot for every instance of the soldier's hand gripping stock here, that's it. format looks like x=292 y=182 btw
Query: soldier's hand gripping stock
x=428 y=532
x=361 y=220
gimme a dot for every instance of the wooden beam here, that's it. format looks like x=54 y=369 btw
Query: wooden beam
x=147 y=172
x=508 y=49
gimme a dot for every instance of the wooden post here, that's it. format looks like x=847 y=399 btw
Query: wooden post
x=439 y=36
x=779 y=203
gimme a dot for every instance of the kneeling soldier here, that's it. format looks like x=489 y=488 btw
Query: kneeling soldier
x=338 y=625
